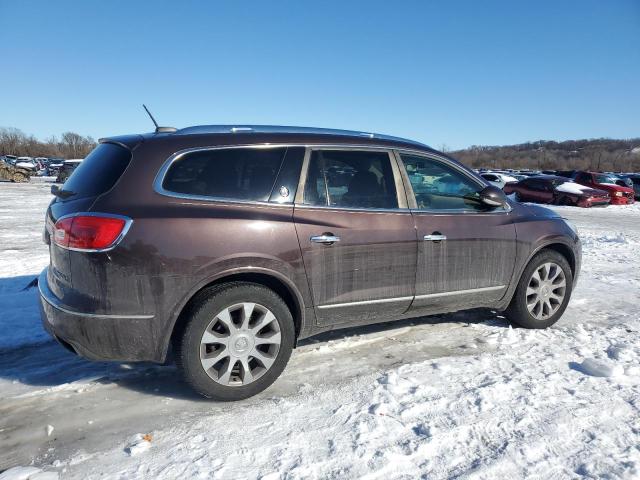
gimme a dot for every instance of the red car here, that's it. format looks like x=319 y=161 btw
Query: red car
x=556 y=190
x=619 y=195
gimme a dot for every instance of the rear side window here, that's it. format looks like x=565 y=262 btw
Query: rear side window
x=235 y=173
x=350 y=179
x=99 y=171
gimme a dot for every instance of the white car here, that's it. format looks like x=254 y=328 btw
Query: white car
x=498 y=179
x=26 y=162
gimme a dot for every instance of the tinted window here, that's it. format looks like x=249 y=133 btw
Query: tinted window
x=99 y=171
x=438 y=186
x=583 y=177
x=490 y=177
x=355 y=179
x=235 y=173
x=604 y=179
x=537 y=184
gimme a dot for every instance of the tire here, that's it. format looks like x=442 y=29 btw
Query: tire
x=242 y=334
x=549 y=309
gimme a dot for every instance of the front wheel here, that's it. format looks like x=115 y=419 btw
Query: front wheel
x=543 y=291
x=237 y=341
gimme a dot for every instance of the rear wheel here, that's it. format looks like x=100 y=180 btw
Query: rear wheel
x=543 y=291
x=237 y=341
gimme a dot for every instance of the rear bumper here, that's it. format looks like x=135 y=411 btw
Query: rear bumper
x=98 y=336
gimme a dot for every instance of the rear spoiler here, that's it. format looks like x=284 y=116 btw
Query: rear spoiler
x=128 y=142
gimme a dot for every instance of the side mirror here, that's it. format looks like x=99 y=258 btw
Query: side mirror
x=55 y=189
x=493 y=197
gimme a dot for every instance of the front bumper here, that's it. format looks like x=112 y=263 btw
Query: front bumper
x=622 y=200
x=127 y=338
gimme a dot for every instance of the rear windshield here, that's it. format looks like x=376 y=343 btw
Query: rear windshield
x=98 y=172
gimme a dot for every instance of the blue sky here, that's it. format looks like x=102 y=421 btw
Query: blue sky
x=452 y=73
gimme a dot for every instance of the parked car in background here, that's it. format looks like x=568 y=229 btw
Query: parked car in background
x=619 y=195
x=558 y=191
x=622 y=180
x=55 y=165
x=231 y=244
x=10 y=159
x=498 y=179
x=26 y=162
x=635 y=180
x=67 y=169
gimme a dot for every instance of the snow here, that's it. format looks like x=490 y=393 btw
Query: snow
x=571 y=187
x=459 y=395
x=27 y=473
x=601 y=368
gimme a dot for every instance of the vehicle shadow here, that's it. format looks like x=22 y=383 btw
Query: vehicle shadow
x=50 y=365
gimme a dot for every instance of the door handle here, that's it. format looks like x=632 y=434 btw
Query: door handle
x=325 y=239
x=435 y=237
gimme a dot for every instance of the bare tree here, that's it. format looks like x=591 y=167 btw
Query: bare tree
x=70 y=145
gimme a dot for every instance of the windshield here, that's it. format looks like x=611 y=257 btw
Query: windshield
x=605 y=179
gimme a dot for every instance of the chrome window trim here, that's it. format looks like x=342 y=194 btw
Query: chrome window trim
x=127 y=225
x=354 y=209
x=413 y=204
x=159 y=177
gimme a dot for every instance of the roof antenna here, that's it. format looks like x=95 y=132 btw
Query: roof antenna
x=158 y=129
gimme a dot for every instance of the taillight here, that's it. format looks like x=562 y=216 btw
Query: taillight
x=89 y=232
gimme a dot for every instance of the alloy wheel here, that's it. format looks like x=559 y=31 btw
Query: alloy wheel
x=240 y=344
x=546 y=291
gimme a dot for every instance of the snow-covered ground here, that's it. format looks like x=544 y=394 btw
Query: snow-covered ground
x=459 y=395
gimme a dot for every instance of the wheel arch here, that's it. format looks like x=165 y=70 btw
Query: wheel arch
x=268 y=278
x=552 y=244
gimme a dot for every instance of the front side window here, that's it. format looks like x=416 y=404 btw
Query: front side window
x=438 y=186
x=350 y=179
x=237 y=173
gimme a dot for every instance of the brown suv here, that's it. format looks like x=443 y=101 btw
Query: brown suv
x=230 y=244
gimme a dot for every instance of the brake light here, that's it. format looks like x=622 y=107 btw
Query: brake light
x=88 y=232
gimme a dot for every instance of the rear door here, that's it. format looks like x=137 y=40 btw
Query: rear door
x=466 y=252
x=540 y=191
x=357 y=235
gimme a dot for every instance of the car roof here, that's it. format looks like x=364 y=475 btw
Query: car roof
x=246 y=133
x=550 y=177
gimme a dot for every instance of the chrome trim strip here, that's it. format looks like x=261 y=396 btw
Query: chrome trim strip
x=159 y=178
x=460 y=292
x=417 y=297
x=127 y=225
x=365 y=302
x=354 y=209
x=55 y=303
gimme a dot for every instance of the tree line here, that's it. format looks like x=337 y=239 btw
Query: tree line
x=68 y=145
x=602 y=154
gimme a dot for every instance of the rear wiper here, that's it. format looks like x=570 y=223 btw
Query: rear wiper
x=60 y=193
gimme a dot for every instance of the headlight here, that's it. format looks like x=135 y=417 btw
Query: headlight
x=618 y=194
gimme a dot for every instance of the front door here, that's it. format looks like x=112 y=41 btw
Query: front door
x=466 y=252
x=357 y=236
